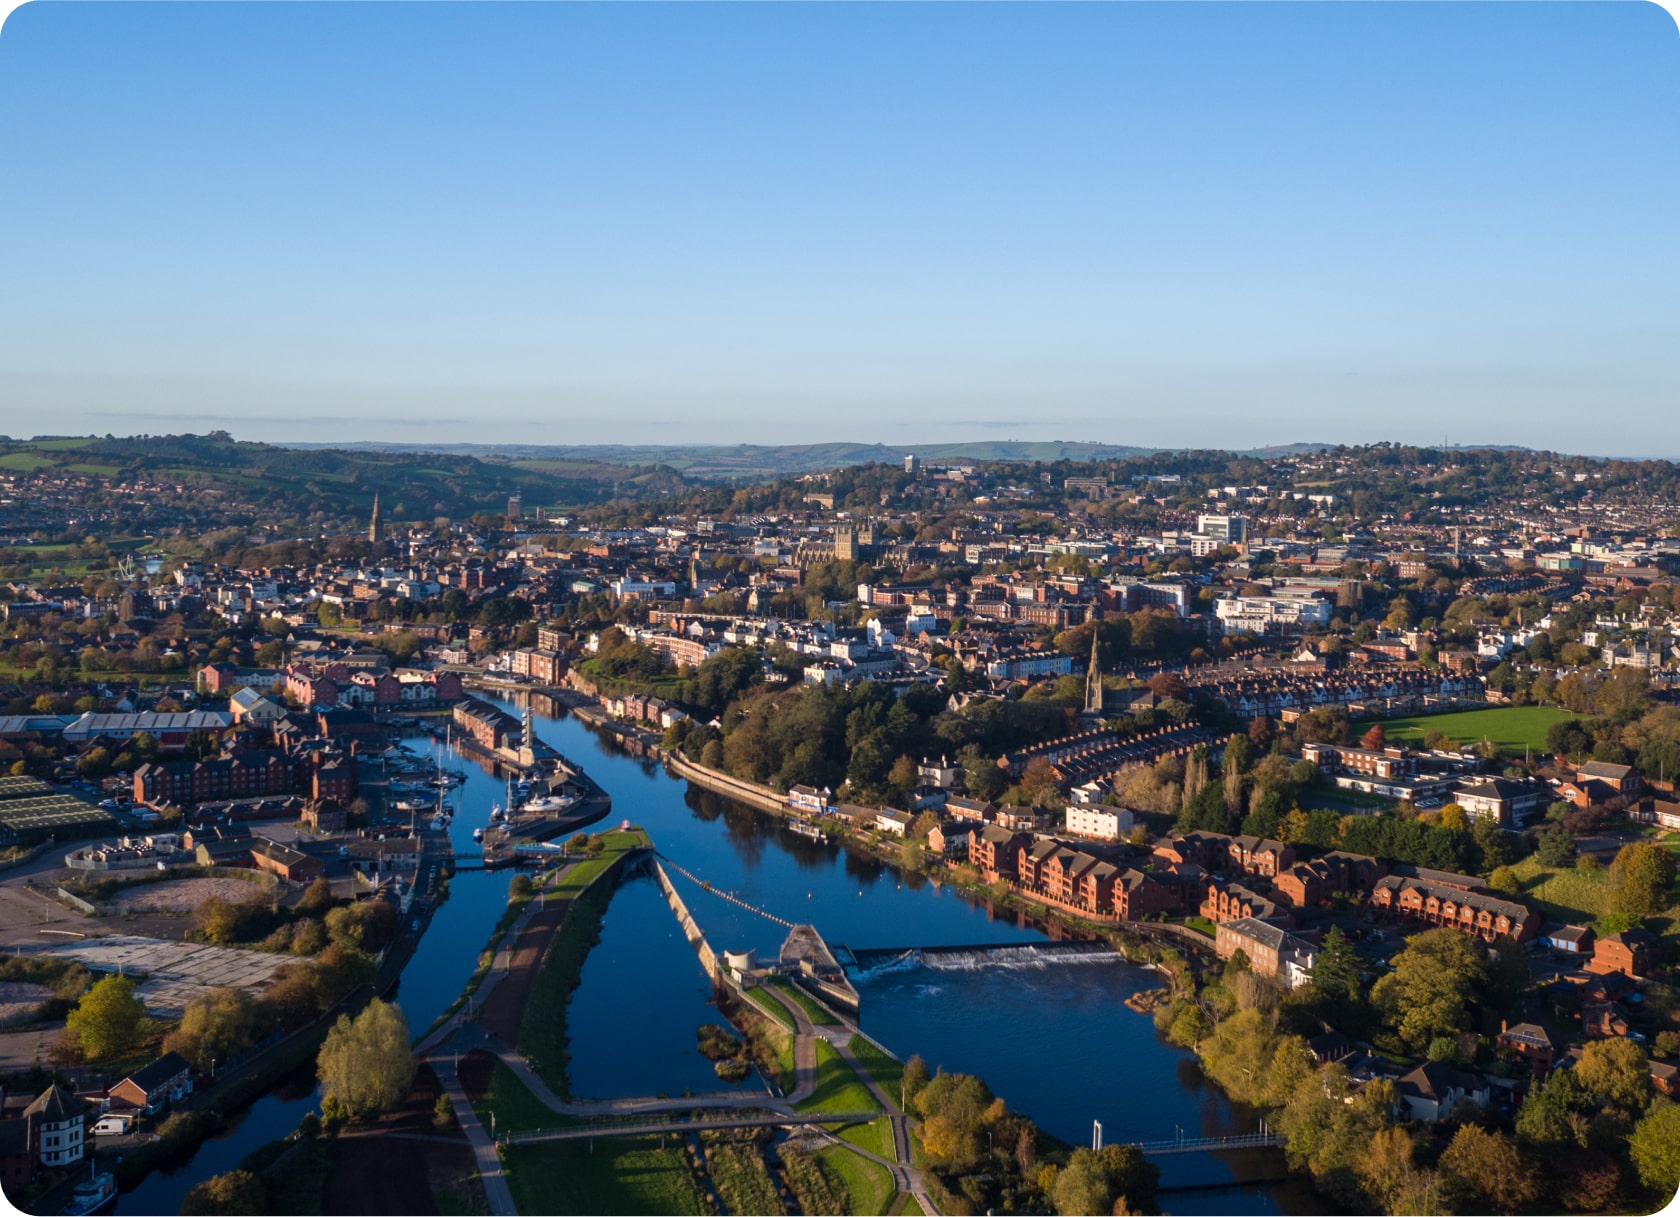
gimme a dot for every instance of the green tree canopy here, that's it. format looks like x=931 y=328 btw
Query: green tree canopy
x=106 y=1022
x=365 y=1063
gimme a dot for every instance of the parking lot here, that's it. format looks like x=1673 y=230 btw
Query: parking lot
x=174 y=972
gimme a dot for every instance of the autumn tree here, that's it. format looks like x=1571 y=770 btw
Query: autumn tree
x=365 y=1063
x=237 y=1194
x=1640 y=879
x=106 y=1022
x=1375 y=740
x=1113 y=1179
x=1489 y=1167
x=217 y=1027
x=1616 y=1074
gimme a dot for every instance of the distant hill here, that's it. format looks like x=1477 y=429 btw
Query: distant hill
x=763 y=461
x=415 y=483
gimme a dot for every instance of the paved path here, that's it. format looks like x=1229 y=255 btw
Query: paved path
x=496 y=1192
x=499 y=958
x=905 y=1176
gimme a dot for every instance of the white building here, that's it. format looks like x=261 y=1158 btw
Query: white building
x=1103 y=823
x=1257 y=614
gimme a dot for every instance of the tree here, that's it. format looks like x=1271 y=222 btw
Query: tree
x=521 y=887
x=1640 y=879
x=237 y=1193
x=914 y=1080
x=106 y=1022
x=1556 y=848
x=317 y=898
x=1504 y=879
x=1113 y=1179
x=1615 y=1073
x=1336 y=971
x=1452 y=817
x=903 y=776
x=1655 y=1149
x=365 y=1063
x=1430 y=990
x=365 y=927
x=1489 y=1166
x=1376 y=739
x=215 y=1028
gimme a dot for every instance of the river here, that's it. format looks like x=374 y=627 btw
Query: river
x=1050 y=1035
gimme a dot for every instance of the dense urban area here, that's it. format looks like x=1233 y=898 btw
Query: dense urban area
x=1368 y=753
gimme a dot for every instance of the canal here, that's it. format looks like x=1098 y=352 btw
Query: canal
x=1049 y=1034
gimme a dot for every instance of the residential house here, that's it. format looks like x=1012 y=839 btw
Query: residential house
x=811 y=801
x=1433 y=903
x=166 y=1080
x=56 y=1123
x=1504 y=800
x=1532 y=1043
x=994 y=851
x=1633 y=953
x=1431 y=1091
x=893 y=823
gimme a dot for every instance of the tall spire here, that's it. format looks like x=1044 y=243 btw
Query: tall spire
x=1093 y=672
x=376 y=526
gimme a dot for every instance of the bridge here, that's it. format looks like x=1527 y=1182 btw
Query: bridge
x=1196 y=1145
x=735 y=900
x=579 y=1132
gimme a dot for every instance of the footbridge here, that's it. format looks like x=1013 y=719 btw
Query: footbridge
x=1197 y=1145
x=733 y=899
x=579 y=1132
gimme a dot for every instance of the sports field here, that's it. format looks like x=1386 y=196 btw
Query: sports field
x=1512 y=729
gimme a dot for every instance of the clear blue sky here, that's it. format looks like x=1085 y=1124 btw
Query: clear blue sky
x=1175 y=224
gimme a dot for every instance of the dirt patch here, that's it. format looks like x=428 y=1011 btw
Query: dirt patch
x=397 y=1164
x=19 y=998
x=393 y=1174
x=504 y=1008
x=184 y=895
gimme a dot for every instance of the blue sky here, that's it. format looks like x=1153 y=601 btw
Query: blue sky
x=1173 y=224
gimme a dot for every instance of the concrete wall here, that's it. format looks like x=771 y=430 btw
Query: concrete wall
x=690 y=929
x=722 y=783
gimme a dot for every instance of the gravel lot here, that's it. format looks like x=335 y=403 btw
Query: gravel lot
x=184 y=895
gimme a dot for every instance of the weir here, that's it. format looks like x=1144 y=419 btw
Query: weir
x=1001 y=953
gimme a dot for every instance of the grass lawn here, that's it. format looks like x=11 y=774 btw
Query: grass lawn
x=1562 y=892
x=1511 y=728
x=907 y=1205
x=1201 y=925
x=887 y=1071
x=296 y=1187
x=874 y=1137
x=621 y=1175
x=516 y=1108
x=814 y=1009
x=770 y=1006
x=869 y=1186
x=838 y=1088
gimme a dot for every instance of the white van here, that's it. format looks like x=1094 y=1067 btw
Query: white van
x=113 y=1126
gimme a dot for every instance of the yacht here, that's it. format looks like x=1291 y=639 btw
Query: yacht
x=548 y=802
x=478 y=834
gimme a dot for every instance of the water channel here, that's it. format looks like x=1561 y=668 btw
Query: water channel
x=1050 y=1035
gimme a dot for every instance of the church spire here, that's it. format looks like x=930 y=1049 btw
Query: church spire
x=1093 y=673
x=376 y=526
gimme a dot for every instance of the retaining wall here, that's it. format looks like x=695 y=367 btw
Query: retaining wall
x=691 y=929
x=722 y=783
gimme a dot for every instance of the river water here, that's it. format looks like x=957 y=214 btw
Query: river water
x=1050 y=1034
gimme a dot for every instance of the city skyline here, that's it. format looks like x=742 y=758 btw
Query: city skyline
x=1174 y=226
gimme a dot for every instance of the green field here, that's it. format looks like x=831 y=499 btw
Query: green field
x=887 y=1071
x=516 y=1108
x=838 y=1088
x=874 y=1137
x=609 y=1175
x=869 y=1186
x=770 y=1006
x=814 y=1009
x=1513 y=729
x=1566 y=894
